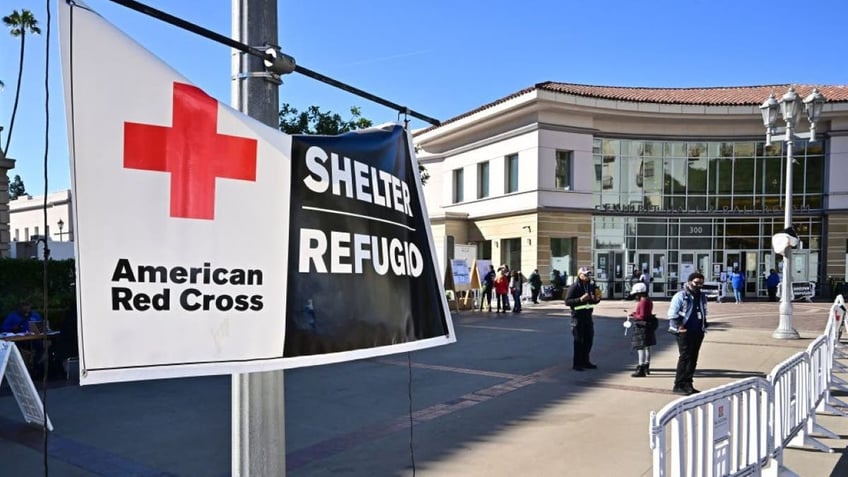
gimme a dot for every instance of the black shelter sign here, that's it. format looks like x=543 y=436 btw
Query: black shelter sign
x=361 y=264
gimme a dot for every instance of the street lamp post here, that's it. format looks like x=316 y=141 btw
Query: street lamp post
x=61 y=225
x=790 y=109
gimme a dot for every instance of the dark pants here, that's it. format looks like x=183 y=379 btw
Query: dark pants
x=688 y=345
x=584 y=335
x=772 y=292
x=487 y=298
x=534 y=294
x=516 y=300
x=503 y=302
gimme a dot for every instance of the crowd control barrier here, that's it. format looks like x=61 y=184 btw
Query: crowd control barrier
x=791 y=382
x=837 y=317
x=717 y=432
x=743 y=428
x=820 y=385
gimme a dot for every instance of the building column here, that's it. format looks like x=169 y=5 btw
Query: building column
x=5 y=237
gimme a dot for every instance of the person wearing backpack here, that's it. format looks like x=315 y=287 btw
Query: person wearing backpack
x=645 y=332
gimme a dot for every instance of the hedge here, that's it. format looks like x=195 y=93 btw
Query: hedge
x=23 y=279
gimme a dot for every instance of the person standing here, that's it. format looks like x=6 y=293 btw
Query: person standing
x=516 y=283
x=488 y=285
x=737 y=281
x=772 y=281
x=646 y=278
x=645 y=331
x=535 y=285
x=501 y=289
x=687 y=318
x=581 y=297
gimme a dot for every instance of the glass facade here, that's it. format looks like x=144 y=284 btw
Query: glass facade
x=678 y=176
x=674 y=207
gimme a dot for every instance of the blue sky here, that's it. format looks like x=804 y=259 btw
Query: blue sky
x=443 y=58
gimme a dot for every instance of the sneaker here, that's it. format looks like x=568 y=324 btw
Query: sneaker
x=680 y=391
x=692 y=390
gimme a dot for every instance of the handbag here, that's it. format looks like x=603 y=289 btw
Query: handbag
x=652 y=322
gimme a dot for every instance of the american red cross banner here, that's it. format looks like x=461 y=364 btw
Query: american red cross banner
x=209 y=243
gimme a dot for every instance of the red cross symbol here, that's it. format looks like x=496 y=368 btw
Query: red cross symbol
x=192 y=151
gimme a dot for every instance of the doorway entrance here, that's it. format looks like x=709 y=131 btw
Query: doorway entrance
x=694 y=261
x=610 y=274
x=655 y=263
x=746 y=262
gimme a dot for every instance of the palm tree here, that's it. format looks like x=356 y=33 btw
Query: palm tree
x=19 y=24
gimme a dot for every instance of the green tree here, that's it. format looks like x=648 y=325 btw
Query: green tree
x=315 y=121
x=16 y=187
x=19 y=23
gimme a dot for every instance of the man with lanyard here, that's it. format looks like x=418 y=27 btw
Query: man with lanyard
x=581 y=297
x=687 y=318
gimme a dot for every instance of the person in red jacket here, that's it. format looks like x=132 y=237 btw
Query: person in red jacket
x=645 y=332
x=501 y=290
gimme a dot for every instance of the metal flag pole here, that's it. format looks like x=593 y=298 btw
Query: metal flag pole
x=258 y=404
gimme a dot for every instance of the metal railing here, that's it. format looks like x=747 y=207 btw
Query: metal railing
x=743 y=428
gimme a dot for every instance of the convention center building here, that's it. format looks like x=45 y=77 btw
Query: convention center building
x=626 y=179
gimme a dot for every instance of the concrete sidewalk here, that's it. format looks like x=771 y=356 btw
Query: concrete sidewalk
x=503 y=401
x=604 y=430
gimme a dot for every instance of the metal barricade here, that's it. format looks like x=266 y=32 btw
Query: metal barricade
x=743 y=427
x=720 y=432
x=833 y=330
x=791 y=381
x=818 y=352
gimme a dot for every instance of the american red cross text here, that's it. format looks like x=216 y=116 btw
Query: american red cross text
x=192 y=151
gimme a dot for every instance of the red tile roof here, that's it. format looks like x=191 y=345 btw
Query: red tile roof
x=716 y=96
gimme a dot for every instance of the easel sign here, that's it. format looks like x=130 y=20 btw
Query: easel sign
x=461 y=274
x=12 y=368
x=478 y=272
x=450 y=288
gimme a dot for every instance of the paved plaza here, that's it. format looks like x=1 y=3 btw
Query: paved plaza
x=502 y=401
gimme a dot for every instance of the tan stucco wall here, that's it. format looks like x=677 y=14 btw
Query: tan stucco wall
x=5 y=166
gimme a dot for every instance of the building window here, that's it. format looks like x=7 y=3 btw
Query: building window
x=484 y=250
x=511 y=253
x=563 y=169
x=511 y=173
x=458 y=190
x=483 y=180
x=563 y=254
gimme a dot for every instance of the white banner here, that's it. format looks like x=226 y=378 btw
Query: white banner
x=181 y=212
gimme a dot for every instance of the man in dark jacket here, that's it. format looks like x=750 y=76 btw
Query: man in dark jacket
x=488 y=285
x=582 y=296
x=535 y=285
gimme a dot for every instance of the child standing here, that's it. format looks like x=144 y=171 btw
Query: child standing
x=645 y=332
